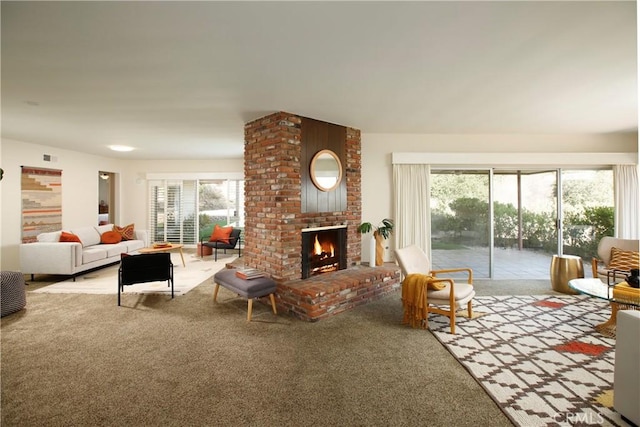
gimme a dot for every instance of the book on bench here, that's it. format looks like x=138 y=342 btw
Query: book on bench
x=249 y=273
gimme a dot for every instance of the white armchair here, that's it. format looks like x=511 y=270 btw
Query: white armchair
x=413 y=260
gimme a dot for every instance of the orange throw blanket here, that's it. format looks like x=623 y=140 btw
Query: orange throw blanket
x=622 y=293
x=414 y=299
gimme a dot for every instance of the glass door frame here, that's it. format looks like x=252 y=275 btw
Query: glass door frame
x=546 y=229
x=491 y=211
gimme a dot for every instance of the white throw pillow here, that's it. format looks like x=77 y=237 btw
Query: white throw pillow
x=88 y=235
x=104 y=228
x=53 y=236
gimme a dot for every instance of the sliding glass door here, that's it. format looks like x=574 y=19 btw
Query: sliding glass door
x=180 y=211
x=172 y=211
x=507 y=224
x=221 y=201
x=587 y=210
x=525 y=223
x=460 y=225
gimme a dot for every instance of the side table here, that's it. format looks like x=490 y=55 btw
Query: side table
x=563 y=269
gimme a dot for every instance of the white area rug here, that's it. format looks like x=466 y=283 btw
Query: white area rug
x=105 y=280
x=539 y=357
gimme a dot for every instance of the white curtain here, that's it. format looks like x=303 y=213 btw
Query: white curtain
x=627 y=203
x=412 y=212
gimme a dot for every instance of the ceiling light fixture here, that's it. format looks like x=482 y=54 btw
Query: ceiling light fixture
x=104 y=175
x=121 y=148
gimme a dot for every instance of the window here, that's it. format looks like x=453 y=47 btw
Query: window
x=524 y=221
x=180 y=210
x=172 y=211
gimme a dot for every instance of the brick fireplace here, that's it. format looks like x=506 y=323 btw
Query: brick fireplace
x=281 y=202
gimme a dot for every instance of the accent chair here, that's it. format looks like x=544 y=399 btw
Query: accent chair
x=413 y=260
x=231 y=243
x=145 y=268
x=616 y=257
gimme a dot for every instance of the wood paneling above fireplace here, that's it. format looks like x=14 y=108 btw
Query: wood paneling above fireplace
x=316 y=136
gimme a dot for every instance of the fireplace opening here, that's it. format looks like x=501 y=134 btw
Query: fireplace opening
x=323 y=250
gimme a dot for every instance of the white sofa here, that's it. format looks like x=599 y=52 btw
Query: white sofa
x=50 y=256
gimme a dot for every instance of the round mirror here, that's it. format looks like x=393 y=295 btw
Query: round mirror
x=326 y=170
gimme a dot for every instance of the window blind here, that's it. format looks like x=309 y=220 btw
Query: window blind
x=178 y=209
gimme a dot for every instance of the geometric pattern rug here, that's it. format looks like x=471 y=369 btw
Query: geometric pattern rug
x=538 y=357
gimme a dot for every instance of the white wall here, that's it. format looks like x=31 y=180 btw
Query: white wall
x=80 y=174
x=80 y=188
x=377 y=168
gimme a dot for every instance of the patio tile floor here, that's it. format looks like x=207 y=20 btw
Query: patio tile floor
x=508 y=263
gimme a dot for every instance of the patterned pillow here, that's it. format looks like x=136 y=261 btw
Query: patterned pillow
x=110 y=237
x=623 y=260
x=126 y=232
x=69 y=237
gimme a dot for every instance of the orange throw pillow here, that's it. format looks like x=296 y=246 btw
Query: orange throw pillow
x=126 y=232
x=69 y=237
x=221 y=234
x=110 y=237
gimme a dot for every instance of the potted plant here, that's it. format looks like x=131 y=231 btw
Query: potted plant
x=380 y=233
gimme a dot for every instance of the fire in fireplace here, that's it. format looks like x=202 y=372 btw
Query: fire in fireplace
x=323 y=250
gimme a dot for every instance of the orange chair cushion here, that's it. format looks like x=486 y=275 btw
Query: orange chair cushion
x=69 y=237
x=220 y=234
x=110 y=237
x=127 y=232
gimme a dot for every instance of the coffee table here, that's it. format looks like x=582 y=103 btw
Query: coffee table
x=169 y=248
x=598 y=289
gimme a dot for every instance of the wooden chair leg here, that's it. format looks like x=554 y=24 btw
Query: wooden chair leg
x=215 y=293
x=452 y=318
x=273 y=303
x=470 y=309
x=249 y=309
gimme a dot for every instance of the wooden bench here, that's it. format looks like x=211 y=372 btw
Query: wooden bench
x=249 y=289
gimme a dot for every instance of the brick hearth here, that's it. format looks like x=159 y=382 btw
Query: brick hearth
x=328 y=294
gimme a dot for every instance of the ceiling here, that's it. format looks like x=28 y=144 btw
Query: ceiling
x=178 y=80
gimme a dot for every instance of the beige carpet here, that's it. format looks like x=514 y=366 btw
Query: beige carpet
x=80 y=360
x=105 y=280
